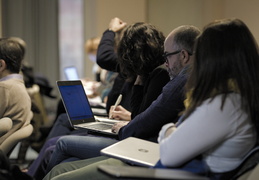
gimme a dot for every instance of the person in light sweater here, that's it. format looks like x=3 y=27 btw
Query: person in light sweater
x=220 y=123
x=15 y=102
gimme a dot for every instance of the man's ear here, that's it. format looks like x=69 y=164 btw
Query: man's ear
x=185 y=57
x=2 y=65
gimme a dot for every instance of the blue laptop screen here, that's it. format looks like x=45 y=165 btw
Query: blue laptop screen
x=76 y=102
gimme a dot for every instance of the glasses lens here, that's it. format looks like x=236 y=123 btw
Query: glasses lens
x=165 y=57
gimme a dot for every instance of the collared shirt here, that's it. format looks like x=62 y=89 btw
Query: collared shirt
x=12 y=76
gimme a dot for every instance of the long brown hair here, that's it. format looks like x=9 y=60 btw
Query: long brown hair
x=226 y=50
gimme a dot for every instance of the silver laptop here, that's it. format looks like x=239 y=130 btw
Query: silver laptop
x=134 y=151
x=71 y=73
x=79 y=110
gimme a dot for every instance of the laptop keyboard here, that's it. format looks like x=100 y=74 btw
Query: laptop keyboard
x=100 y=126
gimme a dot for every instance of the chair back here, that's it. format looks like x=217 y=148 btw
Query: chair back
x=254 y=174
x=8 y=145
x=249 y=162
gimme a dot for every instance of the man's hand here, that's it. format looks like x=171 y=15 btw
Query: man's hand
x=116 y=127
x=116 y=25
x=120 y=113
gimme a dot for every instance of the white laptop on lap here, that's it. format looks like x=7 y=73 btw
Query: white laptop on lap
x=79 y=110
x=143 y=153
x=134 y=151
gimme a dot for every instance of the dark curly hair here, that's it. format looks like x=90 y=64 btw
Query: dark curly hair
x=12 y=52
x=140 y=49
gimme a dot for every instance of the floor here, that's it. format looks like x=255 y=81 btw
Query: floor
x=30 y=156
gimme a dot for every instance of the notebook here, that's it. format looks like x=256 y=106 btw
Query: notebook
x=134 y=172
x=79 y=110
x=71 y=73
x=100 y=112
x=134 y=151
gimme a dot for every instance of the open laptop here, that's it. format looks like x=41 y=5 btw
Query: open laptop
x=71 y=73
x=134 y=151
x=79 y=110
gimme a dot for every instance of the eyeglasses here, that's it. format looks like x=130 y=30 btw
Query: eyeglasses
x=165 y=55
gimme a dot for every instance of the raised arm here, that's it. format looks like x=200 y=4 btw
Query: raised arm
x=106 y=54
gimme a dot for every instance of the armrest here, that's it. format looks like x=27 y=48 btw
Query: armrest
x=148 y=173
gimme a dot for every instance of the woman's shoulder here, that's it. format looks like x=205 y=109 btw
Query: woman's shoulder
x=231 y=99
x=227 y=107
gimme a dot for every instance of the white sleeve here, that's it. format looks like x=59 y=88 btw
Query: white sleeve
x=204 y=128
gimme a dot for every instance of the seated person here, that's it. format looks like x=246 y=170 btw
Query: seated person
x=107 y=59
x=104 y=79
x=220 y=125
x=91 y=46
x=165 y=109
x=15 y=102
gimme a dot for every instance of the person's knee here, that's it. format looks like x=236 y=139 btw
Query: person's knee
x=50 y=142
x=61 y=144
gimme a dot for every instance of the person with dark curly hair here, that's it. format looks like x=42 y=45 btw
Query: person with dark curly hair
x=140 y=53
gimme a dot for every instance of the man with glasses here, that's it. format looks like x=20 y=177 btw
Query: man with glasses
x=178 y=49
x=175 y=66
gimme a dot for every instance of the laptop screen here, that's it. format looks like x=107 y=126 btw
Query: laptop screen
x=71 y=73
x=75 y=101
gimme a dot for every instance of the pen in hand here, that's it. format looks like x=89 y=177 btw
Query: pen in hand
x=116 y=103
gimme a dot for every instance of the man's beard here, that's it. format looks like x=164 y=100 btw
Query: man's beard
x=173 y=72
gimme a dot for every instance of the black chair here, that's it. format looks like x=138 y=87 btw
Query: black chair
x=248 y=163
